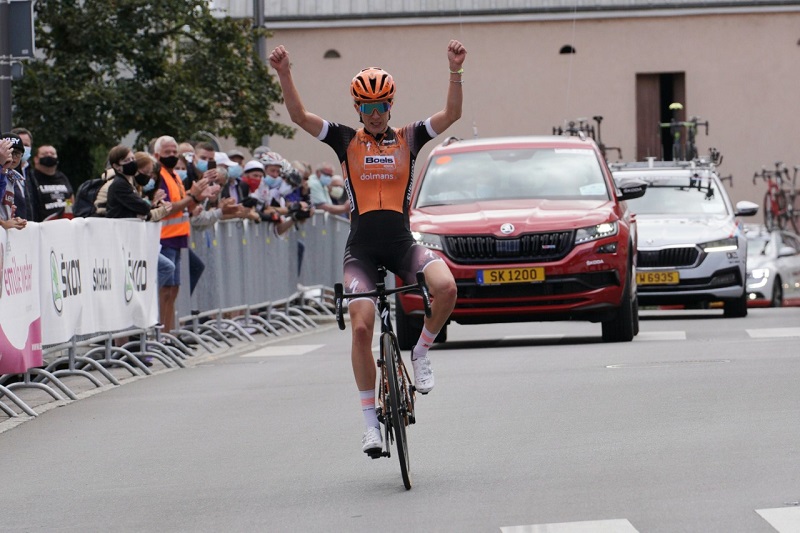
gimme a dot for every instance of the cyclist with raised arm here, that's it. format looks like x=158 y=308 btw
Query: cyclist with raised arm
x=378 y=167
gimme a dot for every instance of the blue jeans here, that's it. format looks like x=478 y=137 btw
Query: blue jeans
x=196 y=267
x=166 y=270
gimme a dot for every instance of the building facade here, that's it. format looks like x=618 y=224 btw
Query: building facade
x=533 y=66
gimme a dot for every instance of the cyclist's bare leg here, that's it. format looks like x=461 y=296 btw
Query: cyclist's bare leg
x=442 y=287
x=362 y=323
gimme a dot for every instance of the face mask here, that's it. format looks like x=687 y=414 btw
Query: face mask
x=169 y=161
x=27 y=154
x=325 y=179
x=235 y=171
x=201 y=165
x=150 y=185
x=48 y=161
x=130 y=168
x=252 y=182
x=272 y=182
x=181 y=174
x=141 y=179
x=337 y=192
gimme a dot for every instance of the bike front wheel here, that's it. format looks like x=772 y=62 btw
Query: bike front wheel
x=794 y=212
x=396 y=416
x=771 y=212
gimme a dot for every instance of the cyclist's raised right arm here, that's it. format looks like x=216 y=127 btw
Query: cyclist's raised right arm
x=279 y=59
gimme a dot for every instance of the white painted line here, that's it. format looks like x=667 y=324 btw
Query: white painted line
x=523 y=337
x=591 y=526
x=783 y=519
x=768 y=333
x=282 y=351
x=660 y=336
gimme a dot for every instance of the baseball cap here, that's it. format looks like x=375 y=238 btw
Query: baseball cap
x=235 y=153
x=16 y=142
x=254 y=165
x=222 y=159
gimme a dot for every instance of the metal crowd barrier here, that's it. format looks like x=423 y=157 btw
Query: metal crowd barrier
x=254 y=283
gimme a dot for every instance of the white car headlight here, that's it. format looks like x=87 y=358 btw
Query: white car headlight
x=592 y=233
x=429 y=240
x=722 y=245
x=759 y=277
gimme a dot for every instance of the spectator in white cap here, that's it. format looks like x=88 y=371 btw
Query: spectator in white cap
x=259 y=152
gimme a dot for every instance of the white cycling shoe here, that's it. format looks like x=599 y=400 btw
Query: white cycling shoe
x=372 y=441
x=423 y=374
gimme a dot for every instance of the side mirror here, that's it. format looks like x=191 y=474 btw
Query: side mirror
x=746 y=209
x=786 y=251
x=630 y=189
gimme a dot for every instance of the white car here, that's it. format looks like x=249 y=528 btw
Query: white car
x=773 y=267
x=692 y=249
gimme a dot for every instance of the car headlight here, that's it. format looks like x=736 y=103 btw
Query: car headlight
x=760 y=276
x=722 y=245
x=592 y=233
x=429 y=240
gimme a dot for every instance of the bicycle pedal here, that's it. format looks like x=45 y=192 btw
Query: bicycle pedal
x=374 y=453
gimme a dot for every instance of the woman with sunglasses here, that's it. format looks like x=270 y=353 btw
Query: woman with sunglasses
x=377 y=166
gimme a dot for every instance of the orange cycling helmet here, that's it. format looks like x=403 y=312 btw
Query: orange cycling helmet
x=372 y=84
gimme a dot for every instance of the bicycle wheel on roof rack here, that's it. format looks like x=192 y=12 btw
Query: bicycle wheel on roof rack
x=770 y=216
x=396 y=416
x=794 y=213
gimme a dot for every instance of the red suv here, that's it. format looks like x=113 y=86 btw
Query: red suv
x=533 y=229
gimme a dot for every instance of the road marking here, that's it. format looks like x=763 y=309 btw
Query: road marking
x=282 y=351
x=783 y=519
x=660 y=336
x=767 y=333
x=668 y=363
x=592 y=526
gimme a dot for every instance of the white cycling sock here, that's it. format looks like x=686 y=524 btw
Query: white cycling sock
x=368 y=408
x=424 y=343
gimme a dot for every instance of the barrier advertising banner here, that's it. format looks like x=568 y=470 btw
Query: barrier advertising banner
x=20 y=316
x=99 y=275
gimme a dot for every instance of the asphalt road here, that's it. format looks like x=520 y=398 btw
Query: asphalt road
x=531 y=427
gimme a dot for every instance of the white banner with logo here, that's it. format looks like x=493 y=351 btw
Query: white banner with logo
x=99 y=275
x=20 y=316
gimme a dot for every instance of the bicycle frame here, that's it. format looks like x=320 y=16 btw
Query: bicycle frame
x=396 y=394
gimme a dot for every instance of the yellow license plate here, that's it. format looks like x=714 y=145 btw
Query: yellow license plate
x=510 y=275
x=670 y=277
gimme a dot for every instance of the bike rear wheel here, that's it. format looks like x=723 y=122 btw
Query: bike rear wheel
x=794 y=213
x=396 y=417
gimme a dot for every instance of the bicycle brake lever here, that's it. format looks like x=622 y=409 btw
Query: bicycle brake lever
x=426 y=296
x=338 y=290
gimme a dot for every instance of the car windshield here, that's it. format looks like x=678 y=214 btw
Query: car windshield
x=504 y=174
x=679 y=195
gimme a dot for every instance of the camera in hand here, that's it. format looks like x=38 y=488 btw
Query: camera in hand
x=297 y=211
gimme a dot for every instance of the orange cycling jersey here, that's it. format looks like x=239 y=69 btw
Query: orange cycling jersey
x=378 y=174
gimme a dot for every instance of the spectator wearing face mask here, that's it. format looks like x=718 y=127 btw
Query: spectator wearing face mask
x=336 y=191
x=53 y=194
x=319 y=184
x=200 y=164
x=124 y=197
x=10 y=152
x=23 y=200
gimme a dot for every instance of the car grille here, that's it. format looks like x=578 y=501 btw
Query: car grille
x=668 y=257
x=529 y=247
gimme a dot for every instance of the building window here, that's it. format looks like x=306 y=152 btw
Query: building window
x=567 y=49
x=332 y=54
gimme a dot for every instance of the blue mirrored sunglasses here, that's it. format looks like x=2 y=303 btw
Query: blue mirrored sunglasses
x=382 y=107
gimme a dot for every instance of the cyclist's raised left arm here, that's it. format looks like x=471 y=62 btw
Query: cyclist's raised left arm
x=456 y=53
x=279 y=59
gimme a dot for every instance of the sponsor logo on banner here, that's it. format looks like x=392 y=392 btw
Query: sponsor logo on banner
x=65 y=279
x=135 y=275
x=14 y=278
x=2 y=256
x=101 y=276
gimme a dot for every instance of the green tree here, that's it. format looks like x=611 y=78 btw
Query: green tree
x=111 y=67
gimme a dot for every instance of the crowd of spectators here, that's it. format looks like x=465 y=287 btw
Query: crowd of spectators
x=186 y=186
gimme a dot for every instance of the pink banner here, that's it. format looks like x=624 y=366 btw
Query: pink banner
x=20 y=312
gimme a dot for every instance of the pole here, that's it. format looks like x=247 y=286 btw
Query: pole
x=258 y=22
x=5 y=65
